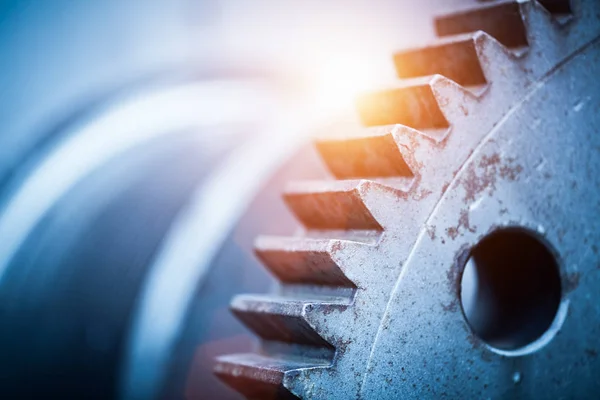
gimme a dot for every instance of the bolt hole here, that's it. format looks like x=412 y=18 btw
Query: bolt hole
x=510 y=288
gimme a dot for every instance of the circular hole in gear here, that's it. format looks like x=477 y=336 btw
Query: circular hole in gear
x=510 y=288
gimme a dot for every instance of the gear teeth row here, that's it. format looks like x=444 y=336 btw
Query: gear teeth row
x=331 y=205
x=257 y=376
x=296 y=260
x=283 y=319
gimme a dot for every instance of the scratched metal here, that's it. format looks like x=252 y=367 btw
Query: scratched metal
x=519 y=149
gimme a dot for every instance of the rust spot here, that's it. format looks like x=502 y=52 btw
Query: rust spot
x=475 y=341
x=422 y=194
x=510 y=172
x=483 y=176
x=327 y=309
x=450 y=307
x=431 y=231
x=487 y=161
x=445 y=187
x=463 y=222
x=475 y=184
x=452 y=232
x=572 y=281
x=342 y=345
x=337 y=246
x=455 y=271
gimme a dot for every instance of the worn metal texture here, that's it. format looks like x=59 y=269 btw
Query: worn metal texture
x=369 y=305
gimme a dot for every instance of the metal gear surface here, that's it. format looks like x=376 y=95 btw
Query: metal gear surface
x=493 y=126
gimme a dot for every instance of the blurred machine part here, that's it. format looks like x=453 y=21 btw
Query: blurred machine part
x=111 y=133
x=98 y=219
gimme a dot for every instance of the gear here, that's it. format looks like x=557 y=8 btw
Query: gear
x=483 y=126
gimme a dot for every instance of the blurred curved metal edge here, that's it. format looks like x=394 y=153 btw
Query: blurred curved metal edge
x=179 y=268
x=126 y=124
x=80 y=145
x=67 y=298
x=121 y=126
x=68 y=117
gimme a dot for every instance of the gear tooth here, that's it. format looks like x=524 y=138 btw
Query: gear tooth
x=256 y=376
x=374 y=155
x=494 y=57
x=412 y=104
x=546 y=38
x=471 y=60
x=426 y=104
x=301 y=260
x=503 y=20
x=281 y=319
x=455 y=58
x=455 y=101
x=538 y=19
x=335 y=205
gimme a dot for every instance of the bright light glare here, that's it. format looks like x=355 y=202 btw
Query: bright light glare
x=340 y=78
